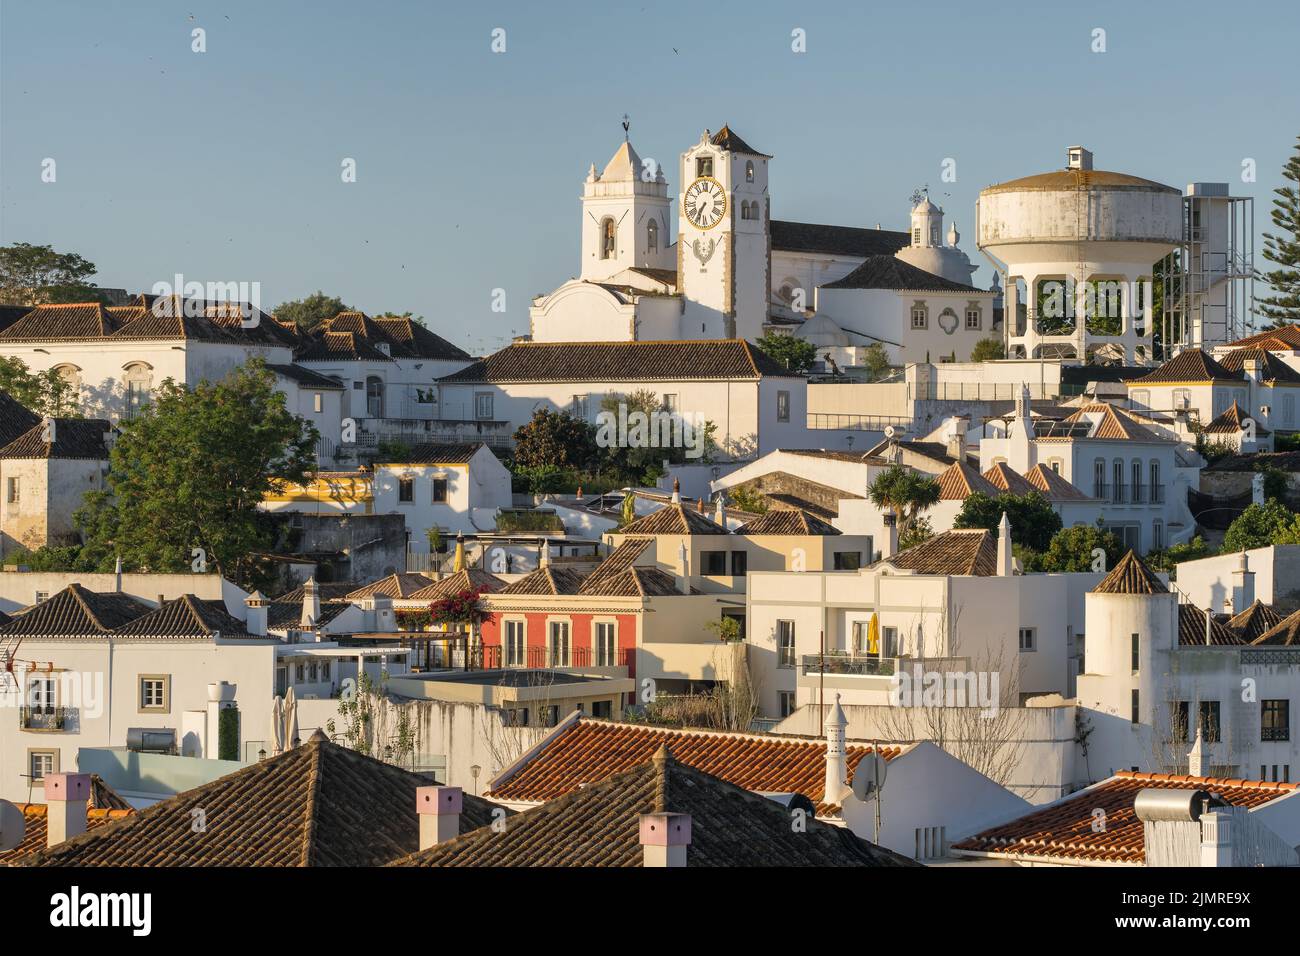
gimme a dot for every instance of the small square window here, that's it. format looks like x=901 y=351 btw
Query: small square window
x=1028 y=639
x=13 y=489
x=713 y=563
x=153 y=692
x=405 y=489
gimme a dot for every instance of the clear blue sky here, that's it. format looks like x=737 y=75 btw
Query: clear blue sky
x=225 y=165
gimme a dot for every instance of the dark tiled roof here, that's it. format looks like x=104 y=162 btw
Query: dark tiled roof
x=547 y=580
x=972 y=551
x=1067 y=830
x=1130 y=576
x=633 y=582
x=1192 y=365
x=403 y=337
x=666 y=276
x=80 y=321
x=1232 y=421
x=36 y=832
x=1285 y=632
x=471 y=579
x=733 y=143
x=890 y=272
x=150 y=317
x=327 y=590
x=670 y=361
x=1191 y=628
x=673 y=519
x=1285 y=460
x=600 y=826
x=398 y=585
x=1271 y=368
x=590 y=750
x=1254 y=621
x=76 y=611
x=306 y=377
x=787 y=522
x=848 y=241
x=338 y=346
x=318 y=804
x=81 y=438
x=185 y=616
x=15 y=419
x=288 y=614
x=456 y=454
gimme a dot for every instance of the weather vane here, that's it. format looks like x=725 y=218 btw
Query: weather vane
x=919 y=194
x=627 y=123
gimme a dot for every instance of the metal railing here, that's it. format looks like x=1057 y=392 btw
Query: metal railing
x=42 y=718
x=1274 y=733
x=852 y=422
x=841 y=663
x=493 y=656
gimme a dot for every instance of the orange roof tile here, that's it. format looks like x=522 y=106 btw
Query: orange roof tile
x=1064 y=830
x=960 y=481
x=1130 y=576
x=588 y=751
x=1008 y=482
x=1053 y=485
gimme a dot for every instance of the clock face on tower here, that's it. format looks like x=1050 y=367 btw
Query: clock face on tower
x=705 y=203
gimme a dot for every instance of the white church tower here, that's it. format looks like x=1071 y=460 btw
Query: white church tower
x=625 y=212
x=723 y=238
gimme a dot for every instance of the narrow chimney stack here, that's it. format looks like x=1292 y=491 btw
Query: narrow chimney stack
x=889 y=547
x=677 y=491
x=255 y=619
x=664 y=838
x=836 y=760
x=439 y=810
x=66 y=797
x=1196 y=757
x=1004 y=547
x=310 y=604
x=1243 y=585
x=720 y=512
x=683 y=571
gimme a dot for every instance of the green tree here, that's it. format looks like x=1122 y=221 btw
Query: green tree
x=45 y=393
x=640 y=462
x=1033 y=521
x=1283 y=248
x=187 y=475
x=32 y=275
x=876 y=360
x=1257 y=527
x=309 y=312
x=906 y=493
x=749 y=499
x=1071 y=550
x=555 y=440
x=795 y=354
x=988 y=350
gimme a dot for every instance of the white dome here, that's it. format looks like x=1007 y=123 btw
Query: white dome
x=822 y=332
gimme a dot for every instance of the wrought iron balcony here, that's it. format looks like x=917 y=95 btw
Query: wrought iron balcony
x=42 y=718
x=861 y=665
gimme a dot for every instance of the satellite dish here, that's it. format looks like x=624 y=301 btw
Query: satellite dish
x=890 y=431
x=13 y=826
x=869 y=777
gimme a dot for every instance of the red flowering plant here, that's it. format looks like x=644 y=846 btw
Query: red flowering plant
x=463 y=607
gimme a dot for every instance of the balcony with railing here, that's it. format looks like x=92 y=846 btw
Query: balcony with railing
x=43 y=719
x=371 y=431
x=862 y=665
x=493 y=656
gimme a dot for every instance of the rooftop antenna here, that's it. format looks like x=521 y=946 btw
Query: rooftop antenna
x=627 y=123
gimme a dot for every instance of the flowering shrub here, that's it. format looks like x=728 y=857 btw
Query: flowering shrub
x=460 y=608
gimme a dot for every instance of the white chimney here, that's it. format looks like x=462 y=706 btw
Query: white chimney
x=1216 y=838
x=310 y=604
x=720 y=512
x=837 y=771
x=664 y=838
x=1209 y=627
x=1243 y=585
x=683 y=571
x=66 y=798
x=117 y=574
x=255 y=618
x=957 y=437
x=545 y=560
x=677 y=492
x=889 y=547
x=385 y=619
x=1196 y=757
x=439 y=811
x=1004 y=547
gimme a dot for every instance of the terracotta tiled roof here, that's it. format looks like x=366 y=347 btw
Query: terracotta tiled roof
x=1285 y=338
x=618 y=561
x=1191 y=628
x=733 y=143
x=328 y=591
x=336 y=346
x=1009 y=482
x=590 y=750
x=1130 y=576
x=548 y=580
x=151 y=317
x=405 y=337
x=471 y=579
x=399 y=585
x=1232 y=421
x=599 y=825
x=429 y=454
x=971 y=551
x=36 y=833
x=783 y=521
x=185 y=616
x=1053 y=485
x=673 y=519
x=1254 y=621
x=306 y=377
x=1285 y=632
x=634 y=582
x=288 y=614
x=1066 y=830
x=852 y=241
x=961 y=480
x=318 y=804
x=76 y=611
x=670 y=361
x=1113 y=424
x=890 y=272
x=75 y=321
x=1271 y=368
x=81 y=438
x=1192 y=366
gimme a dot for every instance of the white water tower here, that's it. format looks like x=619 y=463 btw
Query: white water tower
x=1078 y=247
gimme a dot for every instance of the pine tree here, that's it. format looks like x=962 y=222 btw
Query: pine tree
x=1283 y=248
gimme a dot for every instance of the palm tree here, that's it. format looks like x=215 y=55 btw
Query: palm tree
x=904 y=492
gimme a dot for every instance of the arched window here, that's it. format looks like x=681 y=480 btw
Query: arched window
x=749 y=171
x=1117 y=493
x=1137 y=482
x=139 y=381
x=1157 y=493
x=608 y=232
x=652 y=235
x=71 y=376
x=375 y=397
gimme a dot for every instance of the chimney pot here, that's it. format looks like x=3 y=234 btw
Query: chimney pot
x=66 y=797
x=439 y=809
x=664 y=838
